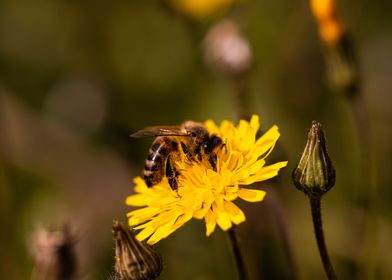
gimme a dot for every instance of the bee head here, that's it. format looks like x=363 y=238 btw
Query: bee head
x=196 y=130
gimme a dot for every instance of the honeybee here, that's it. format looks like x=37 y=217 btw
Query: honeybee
x=190 y=138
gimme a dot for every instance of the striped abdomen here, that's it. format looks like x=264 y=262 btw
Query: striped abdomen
x=154 y=168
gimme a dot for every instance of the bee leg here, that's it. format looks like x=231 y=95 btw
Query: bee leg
x=173 y=183
x=213 y=160
x=186 y=151
x=171 y=174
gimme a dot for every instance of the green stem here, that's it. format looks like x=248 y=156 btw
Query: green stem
x=241 y=100
x=240 y=93
x=239 y=261
x=315 y=205
x=368 y=194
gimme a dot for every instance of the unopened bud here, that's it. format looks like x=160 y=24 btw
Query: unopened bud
x=53 y=254
x=227 y=49
x=314 y=174
x=134 y=259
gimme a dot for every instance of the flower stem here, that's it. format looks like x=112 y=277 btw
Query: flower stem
x=240 y=96
x=315 y=204
x=239 y=261
x=368 y=194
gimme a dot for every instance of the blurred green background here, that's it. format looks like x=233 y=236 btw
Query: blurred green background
x=77 y=77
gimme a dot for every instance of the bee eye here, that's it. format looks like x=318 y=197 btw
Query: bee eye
x=193 y=134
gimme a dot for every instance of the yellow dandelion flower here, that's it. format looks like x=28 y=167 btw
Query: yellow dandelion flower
x=204 y=193
x=201 y=9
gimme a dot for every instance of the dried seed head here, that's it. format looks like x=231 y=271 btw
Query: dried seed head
x=134 y=260
x=227 y=49
x=314 y=174
x=53 y=254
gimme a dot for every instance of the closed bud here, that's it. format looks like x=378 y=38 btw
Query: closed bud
x=314 y=174
x=53 y=254
x=134 y=260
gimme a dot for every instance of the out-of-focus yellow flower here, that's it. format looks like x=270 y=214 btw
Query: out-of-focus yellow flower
x=331 y=31
x=331 y=27
x=204 y=193
x=201 y=9
x=323 y=9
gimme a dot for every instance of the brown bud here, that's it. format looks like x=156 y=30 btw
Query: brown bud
x=134 y=260
x=314 y=174
x=53 y=254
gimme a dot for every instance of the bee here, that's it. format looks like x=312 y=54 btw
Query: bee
x=190 y=138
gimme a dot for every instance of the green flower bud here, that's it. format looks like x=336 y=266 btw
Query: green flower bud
x=314 y=174
x=134 y=260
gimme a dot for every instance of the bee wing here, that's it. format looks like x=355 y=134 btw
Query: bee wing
x=154 y=131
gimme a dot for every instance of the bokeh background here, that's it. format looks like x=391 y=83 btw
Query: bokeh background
x=77 y=77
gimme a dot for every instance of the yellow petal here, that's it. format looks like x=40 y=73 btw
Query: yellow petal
x=265 y=173
x=145 y=233
x=265 y=143
x=236 y=214
x=136 y=200
x=167 y=217
x=218 y=203
x=242 y=129
x=211 y=127
x=182 y=220
x=199 y=214
x=234 y=160
x=255 y=122
x=210 y=220
x=245 y=136
x=223 y=220
x=244 y=173
x=162 y=232
x=227 y=129
x=142 y=226
x=140 y=185
x=141 y=215
x=251 y=195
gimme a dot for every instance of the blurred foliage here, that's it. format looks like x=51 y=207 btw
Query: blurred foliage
x=77 y=77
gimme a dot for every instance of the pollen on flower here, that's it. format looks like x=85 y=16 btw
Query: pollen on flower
x=205 y=193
